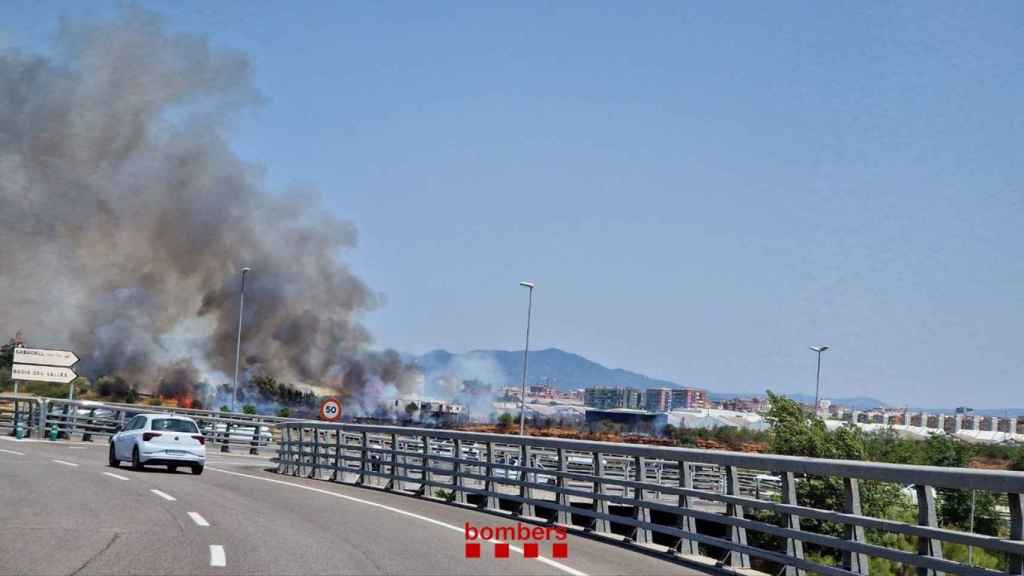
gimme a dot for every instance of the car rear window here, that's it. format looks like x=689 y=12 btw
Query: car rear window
x=170 y=425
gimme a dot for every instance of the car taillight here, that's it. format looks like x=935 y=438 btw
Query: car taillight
x=202 y=439
x=147 y=436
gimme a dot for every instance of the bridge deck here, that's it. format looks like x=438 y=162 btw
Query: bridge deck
x=64 y=513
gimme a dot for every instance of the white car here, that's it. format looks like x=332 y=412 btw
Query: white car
x=160 y=439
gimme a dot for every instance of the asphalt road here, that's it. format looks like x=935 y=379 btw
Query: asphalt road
x=64 y=511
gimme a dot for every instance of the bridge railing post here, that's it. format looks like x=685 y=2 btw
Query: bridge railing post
x=1016 y=503
x=490 y=486
x=302 y=451
x=641 y=534
x=926 y=516
x=365 y=465
x=794 y=547
x=853 y=561
x=564 y=516
x=396 y=470
x=44 y=407
x=600 y=525
x=458 y=482
x=686 y=523
x=737 y=534
x=526 y=508
x=425 y=475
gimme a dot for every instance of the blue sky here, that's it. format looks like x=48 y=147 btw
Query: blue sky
x=699 y=190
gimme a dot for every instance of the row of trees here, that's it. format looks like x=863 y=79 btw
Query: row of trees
x=796 y=432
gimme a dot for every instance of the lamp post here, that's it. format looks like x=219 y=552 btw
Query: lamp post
x=817 y=380
x=526 y=351
x=238 y=344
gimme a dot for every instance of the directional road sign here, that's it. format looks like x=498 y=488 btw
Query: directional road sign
x=61 y=358
x=42 y=373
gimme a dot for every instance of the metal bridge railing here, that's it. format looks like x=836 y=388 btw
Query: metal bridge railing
x=84 y=420
x=697 y=504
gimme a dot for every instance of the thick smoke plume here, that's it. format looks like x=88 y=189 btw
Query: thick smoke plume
x=125 y=218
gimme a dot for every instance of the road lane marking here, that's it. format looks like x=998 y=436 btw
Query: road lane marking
x=199 y=520
x=217 y=555
x=163 y=495
x=118 y=476
x=15 y=452
x=66 y=463
x=459 y=529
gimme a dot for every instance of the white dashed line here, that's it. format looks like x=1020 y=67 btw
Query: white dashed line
x=163 y=495
x=199 y=520
x=15 y=452
x=460 y=529
x=118 y=476
x=66 y=463
x=217 y=555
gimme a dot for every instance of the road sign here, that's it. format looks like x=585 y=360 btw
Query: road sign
x=39 y=356
x=330 y=409
x=42 y=373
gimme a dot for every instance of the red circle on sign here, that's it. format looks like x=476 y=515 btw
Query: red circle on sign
x=330 y=410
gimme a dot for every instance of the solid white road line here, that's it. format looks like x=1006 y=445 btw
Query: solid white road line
x=66 y=463
x=118 y=476
x=199 y=520
x=459 y=529
x=217 y=555
x=163 y=495
x=15 y=452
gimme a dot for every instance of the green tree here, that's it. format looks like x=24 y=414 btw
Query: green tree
x=954 y=506
x=505 y=421
x=284 y=412
x=248 y=409
x=411 y=408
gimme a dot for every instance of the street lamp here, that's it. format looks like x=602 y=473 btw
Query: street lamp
x=817 y=384
x=238 y=344
x=526 y=350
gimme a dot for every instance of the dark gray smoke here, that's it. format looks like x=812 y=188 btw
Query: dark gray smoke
x=125 y=218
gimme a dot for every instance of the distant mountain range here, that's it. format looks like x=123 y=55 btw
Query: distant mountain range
x=554 y=367
x=567 y=371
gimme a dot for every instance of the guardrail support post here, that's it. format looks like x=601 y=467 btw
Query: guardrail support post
x=44 y=407
x=737 y=534
x=302 y=452
x=853 y=561
x=1016 y=502
x=86 y=434
x=794 y=547
x=600 y=504
x=526 y=508
x=424 y=489
x=564 y=517
x=396 y=471
x=253 y=448
x=686 y=523
x=364 y=460
x=458 y=495
x=282 y=462
x=315 y=468
x=926 y=516
x=641 y=534
x=490 y=500
x=226 y=438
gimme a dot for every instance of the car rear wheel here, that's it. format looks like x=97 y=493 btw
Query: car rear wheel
x=197 y=469
x=172 y=468
x=112 y=459
x=136 y=462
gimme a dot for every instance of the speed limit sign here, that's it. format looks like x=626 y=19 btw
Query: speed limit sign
x=330 y=409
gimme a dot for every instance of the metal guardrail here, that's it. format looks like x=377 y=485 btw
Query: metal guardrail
x=656 y=497
x=55 y=418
